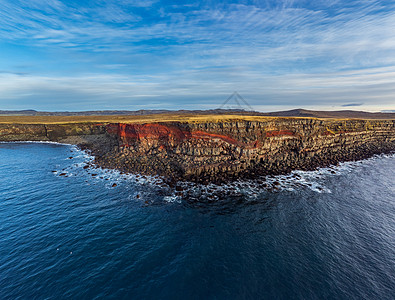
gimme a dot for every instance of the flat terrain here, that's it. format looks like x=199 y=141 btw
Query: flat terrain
x=189 y=118
x=37 y=117
x=340 y=114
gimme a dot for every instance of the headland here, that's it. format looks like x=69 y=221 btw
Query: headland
x=209 y=148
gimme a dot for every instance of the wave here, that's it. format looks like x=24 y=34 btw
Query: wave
x=144 y=187
x=35 y=142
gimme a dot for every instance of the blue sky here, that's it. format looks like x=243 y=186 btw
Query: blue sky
x=133 y=54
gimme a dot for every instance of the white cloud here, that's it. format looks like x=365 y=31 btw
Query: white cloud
x=207 y=89
x=288 y=53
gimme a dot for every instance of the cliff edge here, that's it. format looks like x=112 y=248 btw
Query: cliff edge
x=217 y=150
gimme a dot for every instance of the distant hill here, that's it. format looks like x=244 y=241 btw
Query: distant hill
x=31 y=112
x=331 y=114
x=348 y=114
x=28 y=112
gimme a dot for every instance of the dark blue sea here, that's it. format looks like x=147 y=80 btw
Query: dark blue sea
x=69 y=232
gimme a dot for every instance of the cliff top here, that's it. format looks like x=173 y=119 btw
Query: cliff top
x=188 y=118
x=340 y=114
x=154 y=118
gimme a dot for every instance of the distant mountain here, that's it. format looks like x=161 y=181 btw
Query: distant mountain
x=289 y=113
x=28 y=112
x=331 y=114
x=31 y=112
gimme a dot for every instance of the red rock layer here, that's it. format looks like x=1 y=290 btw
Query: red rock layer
x=132 y=133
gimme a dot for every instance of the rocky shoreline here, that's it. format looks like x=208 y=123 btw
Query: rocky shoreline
x=216 y=152
x=219 y=152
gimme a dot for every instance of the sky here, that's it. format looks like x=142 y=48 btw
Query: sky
x=58 y=55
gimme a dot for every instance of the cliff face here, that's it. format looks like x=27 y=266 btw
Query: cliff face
x=48 y=132
x=83 y=134
x=215 y=151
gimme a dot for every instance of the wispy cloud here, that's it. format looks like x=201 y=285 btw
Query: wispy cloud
x=352 y=104
x=284 y=53
x=208 y=91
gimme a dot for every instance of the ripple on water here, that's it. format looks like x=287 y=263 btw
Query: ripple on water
x=316 y=181
x=326 y=234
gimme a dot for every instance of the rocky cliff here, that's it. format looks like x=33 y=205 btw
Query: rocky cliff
x=217 y=151
x=85 y=135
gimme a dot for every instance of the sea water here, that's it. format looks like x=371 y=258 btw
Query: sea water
x=69 y=232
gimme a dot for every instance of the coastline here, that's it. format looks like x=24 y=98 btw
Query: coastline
x=247 y=174
x=82 y=165
x=207 y=151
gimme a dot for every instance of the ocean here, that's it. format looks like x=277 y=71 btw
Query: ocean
x=69 y=231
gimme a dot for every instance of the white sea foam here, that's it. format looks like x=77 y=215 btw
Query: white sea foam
x=315 y=181
x=34 y=142
x=172 y=199
x=140 y=187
